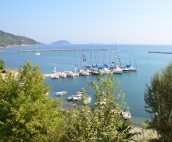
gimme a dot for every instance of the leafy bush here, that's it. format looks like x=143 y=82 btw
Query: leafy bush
x=26 y=113
x=158 y=98
x=2 y=65
x=98 y=122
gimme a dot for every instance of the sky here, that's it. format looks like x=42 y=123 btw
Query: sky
x=89 y=21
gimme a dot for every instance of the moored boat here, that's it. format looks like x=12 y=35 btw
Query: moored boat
x=78 y=97
x=54 y=77
x=117 y=70
x=125 y=114
x=131 y=68
x=61 y=93
x=38 y=53
x=106 y=71
x=84 y=72
x=88 y=100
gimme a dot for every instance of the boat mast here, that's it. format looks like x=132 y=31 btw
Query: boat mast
x=118 y=55
x=76 y=58
x=130 y=56
x=110 y=55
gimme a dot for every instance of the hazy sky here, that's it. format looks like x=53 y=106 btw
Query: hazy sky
x=89 y=21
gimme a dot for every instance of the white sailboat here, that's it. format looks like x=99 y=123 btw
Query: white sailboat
x=117 y=70
x=116 y=66
x=130 y=67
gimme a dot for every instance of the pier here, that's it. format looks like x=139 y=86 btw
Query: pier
x=62 y=49
x=160 y=52
x=53 y=74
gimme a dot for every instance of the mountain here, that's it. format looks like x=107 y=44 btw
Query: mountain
x=62 y=42
x=7 y=39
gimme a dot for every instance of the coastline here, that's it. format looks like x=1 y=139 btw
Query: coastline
x=143 y=134
x=22 y=45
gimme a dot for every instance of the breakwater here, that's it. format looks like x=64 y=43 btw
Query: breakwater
x=62 y=49
x=160 y=52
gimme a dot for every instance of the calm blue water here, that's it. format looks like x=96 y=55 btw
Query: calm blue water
x=132 y=84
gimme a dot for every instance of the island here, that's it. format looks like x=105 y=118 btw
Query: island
x=9 y=40
x=61 y=42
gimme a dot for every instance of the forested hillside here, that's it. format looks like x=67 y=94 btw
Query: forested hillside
x=7 y=39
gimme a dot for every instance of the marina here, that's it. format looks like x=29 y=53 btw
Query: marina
x=89 y=65
x=64 y=67
x=87 y=72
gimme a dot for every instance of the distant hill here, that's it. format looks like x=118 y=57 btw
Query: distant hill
x=61 y=42
x=7 y=39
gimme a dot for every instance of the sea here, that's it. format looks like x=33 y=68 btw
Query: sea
x=133 y=84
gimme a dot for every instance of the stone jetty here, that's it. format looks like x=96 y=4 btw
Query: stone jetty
x=62 y=49
x=160 y=52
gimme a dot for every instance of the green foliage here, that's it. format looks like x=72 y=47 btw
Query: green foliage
x=26 y=113
x=158 y=98
x=2 y=65
x=7 y=39
x=100 y=122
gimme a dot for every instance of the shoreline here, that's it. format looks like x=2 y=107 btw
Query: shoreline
x=22 y=45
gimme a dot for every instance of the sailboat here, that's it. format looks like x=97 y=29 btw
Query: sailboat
x=116 y=68
x=130 y=66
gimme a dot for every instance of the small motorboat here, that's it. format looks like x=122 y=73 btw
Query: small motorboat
x=84 y=73
x=76 y=97
x=88 y=100
x=125 y=114
x=38 y=53
x=94 y=72
x=54 y=77
x=61 y=93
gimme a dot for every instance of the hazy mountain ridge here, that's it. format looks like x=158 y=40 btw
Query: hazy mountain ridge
x=8 y=39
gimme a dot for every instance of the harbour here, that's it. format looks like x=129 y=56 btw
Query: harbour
x=132 y=83
x=87 y=72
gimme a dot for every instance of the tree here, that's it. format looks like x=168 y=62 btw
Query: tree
x=99 y=122
x=26 y=113
x=2 y=65
x=158 y=99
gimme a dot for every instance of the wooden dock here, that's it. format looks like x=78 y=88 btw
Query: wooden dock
x=62 y=49
x=160 y=52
